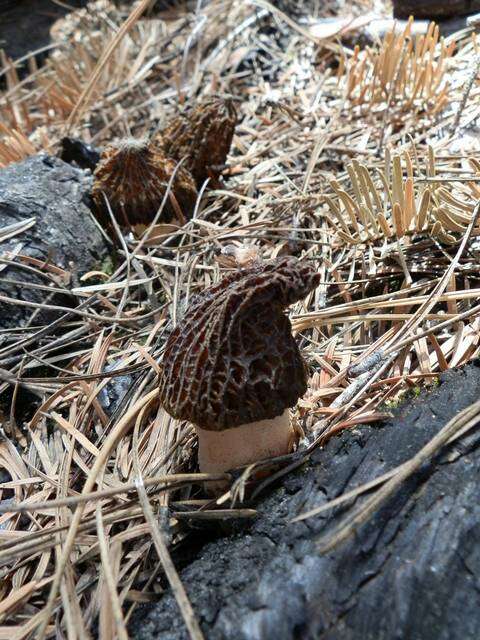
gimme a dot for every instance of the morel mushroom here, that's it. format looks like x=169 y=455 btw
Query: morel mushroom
x=134 y=176
x=203 y=135
x=232 y=367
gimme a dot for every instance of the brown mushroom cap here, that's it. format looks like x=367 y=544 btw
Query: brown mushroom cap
x=232 y=359
x=134 y=176
x=203 y=135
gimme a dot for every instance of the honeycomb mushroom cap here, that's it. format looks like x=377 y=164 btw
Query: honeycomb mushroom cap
x=134 y=176
x=203 y=135
x=232 y=359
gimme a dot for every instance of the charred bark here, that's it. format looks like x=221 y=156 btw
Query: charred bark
x=412 y=571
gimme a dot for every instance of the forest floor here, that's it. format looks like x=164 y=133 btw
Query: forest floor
x=356 y=149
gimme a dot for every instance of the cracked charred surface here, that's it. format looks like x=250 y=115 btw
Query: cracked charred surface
x=64 y=234
x=413 y=571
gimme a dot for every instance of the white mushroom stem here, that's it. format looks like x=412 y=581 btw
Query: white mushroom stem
x=219 y=451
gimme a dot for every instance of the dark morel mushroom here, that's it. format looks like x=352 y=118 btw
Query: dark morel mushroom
x=202 y=135
x=232 y=367
x=134 y=175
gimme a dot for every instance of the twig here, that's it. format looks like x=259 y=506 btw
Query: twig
x=466 y=92
x=115 y=435
x=87 y=92
x=464 y=421
x=162 y=550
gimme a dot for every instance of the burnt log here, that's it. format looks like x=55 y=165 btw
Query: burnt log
x=434 y=9
x=64 y=234
x=411 y=571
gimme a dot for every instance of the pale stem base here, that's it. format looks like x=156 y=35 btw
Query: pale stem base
x=219 y=451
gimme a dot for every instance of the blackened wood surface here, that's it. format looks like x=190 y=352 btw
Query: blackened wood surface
x=56 y=194
x=434 y=9
x=412 y=572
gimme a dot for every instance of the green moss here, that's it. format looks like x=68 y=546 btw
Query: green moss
x=393 y=404
x=412 y=392
x=107 y=266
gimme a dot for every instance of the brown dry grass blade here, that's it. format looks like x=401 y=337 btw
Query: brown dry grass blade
x=119 y=430
x=462 y=422
x=87 y=92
